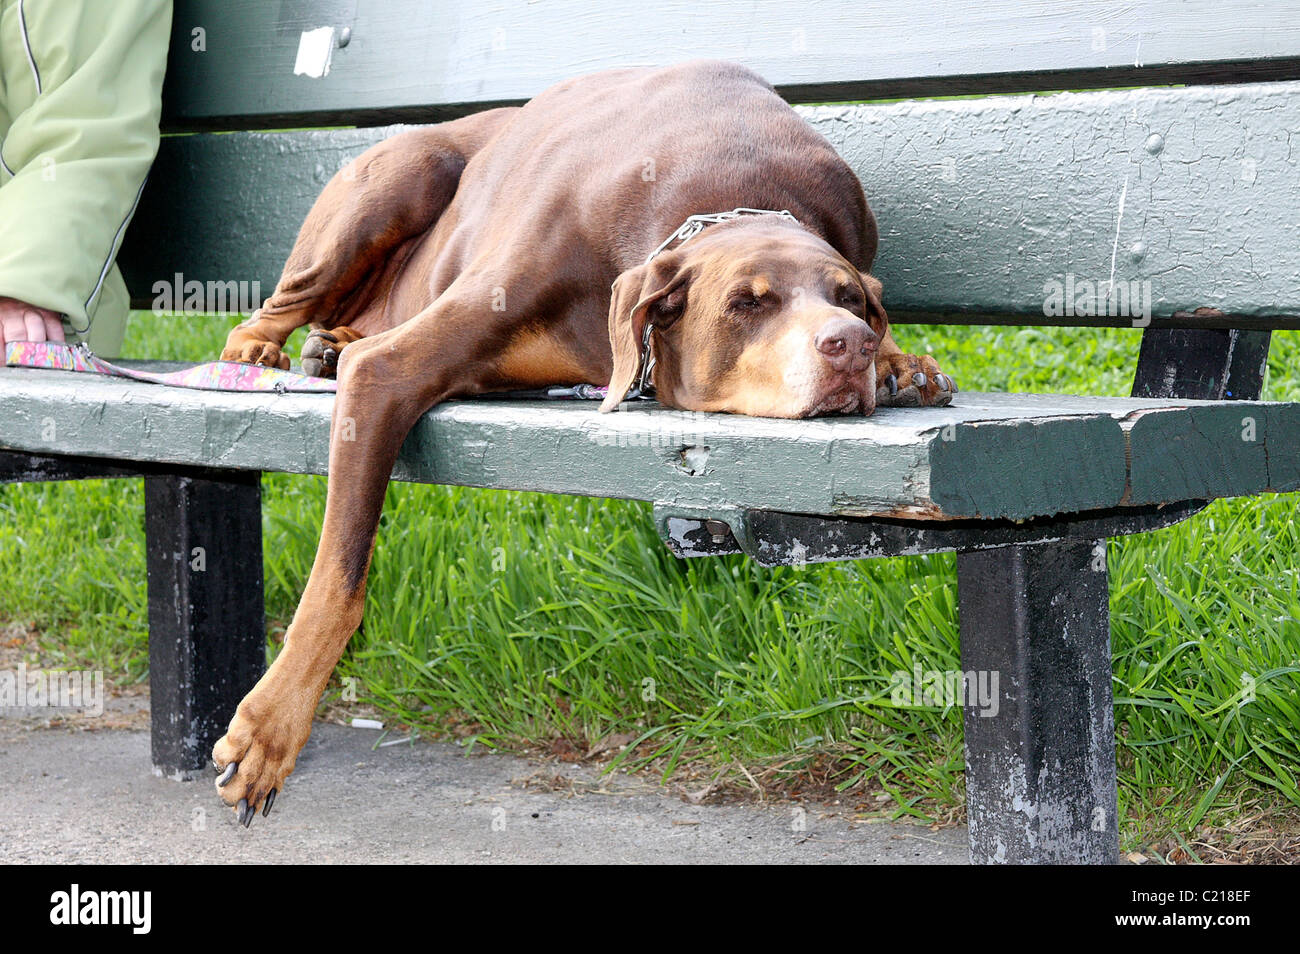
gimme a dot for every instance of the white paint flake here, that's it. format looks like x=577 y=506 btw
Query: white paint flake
x=315 y=50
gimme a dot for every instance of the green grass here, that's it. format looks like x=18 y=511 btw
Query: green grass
x=516 y=619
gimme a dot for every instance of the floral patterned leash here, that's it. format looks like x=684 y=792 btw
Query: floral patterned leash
x=213 y=376
x=232 y=375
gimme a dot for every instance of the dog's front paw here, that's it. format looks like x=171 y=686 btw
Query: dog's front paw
x=265 y=353
x=257 y=753
x=909 y=380
x=248 y=347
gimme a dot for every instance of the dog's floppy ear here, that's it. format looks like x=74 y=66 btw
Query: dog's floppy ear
x=875 y=310
x=655 y=293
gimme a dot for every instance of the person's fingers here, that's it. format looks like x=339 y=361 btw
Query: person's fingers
x=12 y=327
x=35 y=325
x=20 y=321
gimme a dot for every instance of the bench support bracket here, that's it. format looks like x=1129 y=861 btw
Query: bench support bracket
x=1040 y=772
x=207 y=642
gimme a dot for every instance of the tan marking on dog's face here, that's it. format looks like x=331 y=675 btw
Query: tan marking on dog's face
x=746 y=340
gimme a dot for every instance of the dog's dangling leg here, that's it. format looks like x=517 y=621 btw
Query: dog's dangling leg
x=386 y=382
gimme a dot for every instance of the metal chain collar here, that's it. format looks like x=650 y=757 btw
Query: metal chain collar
x=696 y=224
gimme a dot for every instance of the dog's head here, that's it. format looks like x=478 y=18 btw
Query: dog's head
x=755 y=316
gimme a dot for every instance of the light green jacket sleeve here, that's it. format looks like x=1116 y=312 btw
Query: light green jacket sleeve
x=80 y=99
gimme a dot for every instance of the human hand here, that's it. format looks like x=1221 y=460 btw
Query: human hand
x=20 y=321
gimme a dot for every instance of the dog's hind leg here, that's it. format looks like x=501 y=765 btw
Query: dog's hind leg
x=321 y=350
x=390 y=193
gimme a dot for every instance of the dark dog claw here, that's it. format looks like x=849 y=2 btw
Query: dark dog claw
x=270 y=800
x=891 y=382
x=245 y=812
x=919 y=379
x=228 y=774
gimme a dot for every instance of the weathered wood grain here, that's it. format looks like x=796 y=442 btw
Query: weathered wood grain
x=20 y=468
x=788 y=539
x=981 y=203
x=232 y=61
x=1040 y=757
x=207 y=628
x=1009 y=456
x=1188 y=193
x=1212 y=448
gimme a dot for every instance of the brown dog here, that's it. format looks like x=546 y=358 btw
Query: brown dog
x=478 y=255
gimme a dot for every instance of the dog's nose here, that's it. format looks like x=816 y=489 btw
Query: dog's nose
x=848 y=344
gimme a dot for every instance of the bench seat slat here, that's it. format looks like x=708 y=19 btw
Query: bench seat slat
x=992 y=456
x=981 y=204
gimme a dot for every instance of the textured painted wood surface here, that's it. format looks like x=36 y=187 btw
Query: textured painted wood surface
x=991 y=455
x=1187 y=196
x=422 y=60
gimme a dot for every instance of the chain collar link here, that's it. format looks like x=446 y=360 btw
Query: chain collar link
x=696 y=224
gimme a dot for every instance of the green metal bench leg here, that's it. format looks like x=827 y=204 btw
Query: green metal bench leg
x=207 y=643
x=1040 y=773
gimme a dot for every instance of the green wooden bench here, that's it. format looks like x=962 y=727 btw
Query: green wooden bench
x=983 y=203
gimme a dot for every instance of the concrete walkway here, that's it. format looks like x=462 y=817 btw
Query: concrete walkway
x=89 y=796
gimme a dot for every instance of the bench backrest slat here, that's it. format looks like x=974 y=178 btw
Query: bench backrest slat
x=1186 y=197
x=1103 y=207
x=233 y=61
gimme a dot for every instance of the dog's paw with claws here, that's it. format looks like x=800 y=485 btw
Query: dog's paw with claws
x=909 y=380
x=248 y=343
x=265 y=353
x=320 y=352
x=255 y=756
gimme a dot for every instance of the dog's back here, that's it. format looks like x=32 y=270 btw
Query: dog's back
x=655 y=146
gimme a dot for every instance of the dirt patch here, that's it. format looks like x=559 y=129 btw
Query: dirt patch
x=124 y=707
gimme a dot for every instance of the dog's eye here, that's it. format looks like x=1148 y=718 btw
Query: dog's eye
x=850 y=298
x=746 y=303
